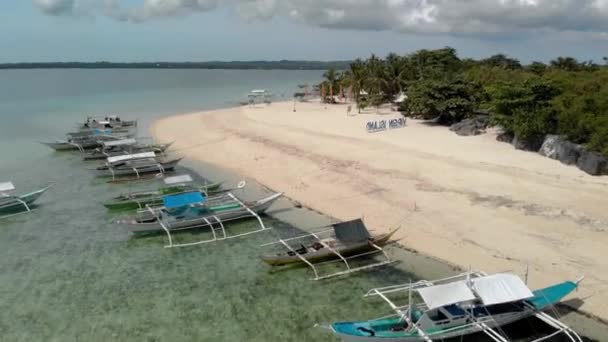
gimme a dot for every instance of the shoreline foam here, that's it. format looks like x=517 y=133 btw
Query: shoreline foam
x=525 y=208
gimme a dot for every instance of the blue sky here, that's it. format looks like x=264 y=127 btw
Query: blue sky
x=198 y=30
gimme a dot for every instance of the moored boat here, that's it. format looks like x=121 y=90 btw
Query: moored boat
x=136 y=165
x=348 y=239
x=175 y=185
x=194 y=211
x=123 y=147
x=470 y=303
x=81 y=144
x=112 y=121
x=11 y=205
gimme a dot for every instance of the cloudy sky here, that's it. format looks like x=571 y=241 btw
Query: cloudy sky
x=184 y=30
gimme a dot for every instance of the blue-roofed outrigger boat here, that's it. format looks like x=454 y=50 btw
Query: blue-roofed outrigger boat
x=11 y=205
x=192 y=210
x=469 y=303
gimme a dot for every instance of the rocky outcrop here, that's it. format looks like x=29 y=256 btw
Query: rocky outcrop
x=556 y=147
x=505 y=137
x=471 y=126
x=532 y=144
x=593 y=163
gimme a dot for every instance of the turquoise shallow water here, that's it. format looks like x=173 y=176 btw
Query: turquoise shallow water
x=69 y=273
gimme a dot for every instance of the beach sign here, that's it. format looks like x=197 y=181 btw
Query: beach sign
x=376 y=126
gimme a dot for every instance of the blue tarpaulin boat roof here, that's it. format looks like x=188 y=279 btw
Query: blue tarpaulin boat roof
x=102 y=131
x=181 y=200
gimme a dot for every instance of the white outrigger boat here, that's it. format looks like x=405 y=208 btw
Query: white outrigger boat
x=11 y=205
x=113 y=121
x=82 y=143
x=135 y=165
x=469 y=303
x=192 y=210
x=123 y=147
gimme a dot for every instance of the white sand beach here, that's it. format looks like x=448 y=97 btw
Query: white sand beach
x=471 y=201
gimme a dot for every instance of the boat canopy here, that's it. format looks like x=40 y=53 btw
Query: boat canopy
x=501 y=288
x=6 y=186
x=446 y=294
x=122 y=142
x=493 y=289
x=142 y=155
x=351 y=231
x=182 y=200
x=178 y=179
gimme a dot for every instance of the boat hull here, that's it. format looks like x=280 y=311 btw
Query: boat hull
x=325 y=254
x=97 y=155
x=8 y=206
x=155 y=198
x=438 y=335
x=166 y=166
x=225 y=214
x=67 y=146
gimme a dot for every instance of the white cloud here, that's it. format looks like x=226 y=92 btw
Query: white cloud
x=56 y=7
x=475 y=17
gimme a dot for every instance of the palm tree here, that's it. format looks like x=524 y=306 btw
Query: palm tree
x=397 y=73
x=332 y=82
x=378 y=81
x=356 y=79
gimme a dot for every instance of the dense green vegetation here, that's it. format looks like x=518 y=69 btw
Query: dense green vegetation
x=263 y=65
x=565 y=97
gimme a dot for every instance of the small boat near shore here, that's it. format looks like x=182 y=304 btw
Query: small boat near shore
x=174 y=185
x=454 y=307
x=123 y=147
x=191 y=210
x=343 y=242
x=11 y=205
x=111 y=121
x=122 y=132
x=136 y=165
x=81 y=144
x=349 y=238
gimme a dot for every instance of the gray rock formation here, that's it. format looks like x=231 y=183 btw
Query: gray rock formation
x=471 y=126
x=533 y=144
x=505 y=137
x=556 y=147
x=593 y=163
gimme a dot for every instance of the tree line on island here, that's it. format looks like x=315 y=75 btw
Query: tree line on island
x=566 y=99
x=240 y=65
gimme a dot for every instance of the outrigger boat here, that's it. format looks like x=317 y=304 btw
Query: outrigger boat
x=112 y=121
x=191 y=210
x=123 y=147
x=174 y=185
x=341 y=243
x=123 y=132
x=469 y=303
x=135 y=165
x=81 y=144
x=11 y=205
